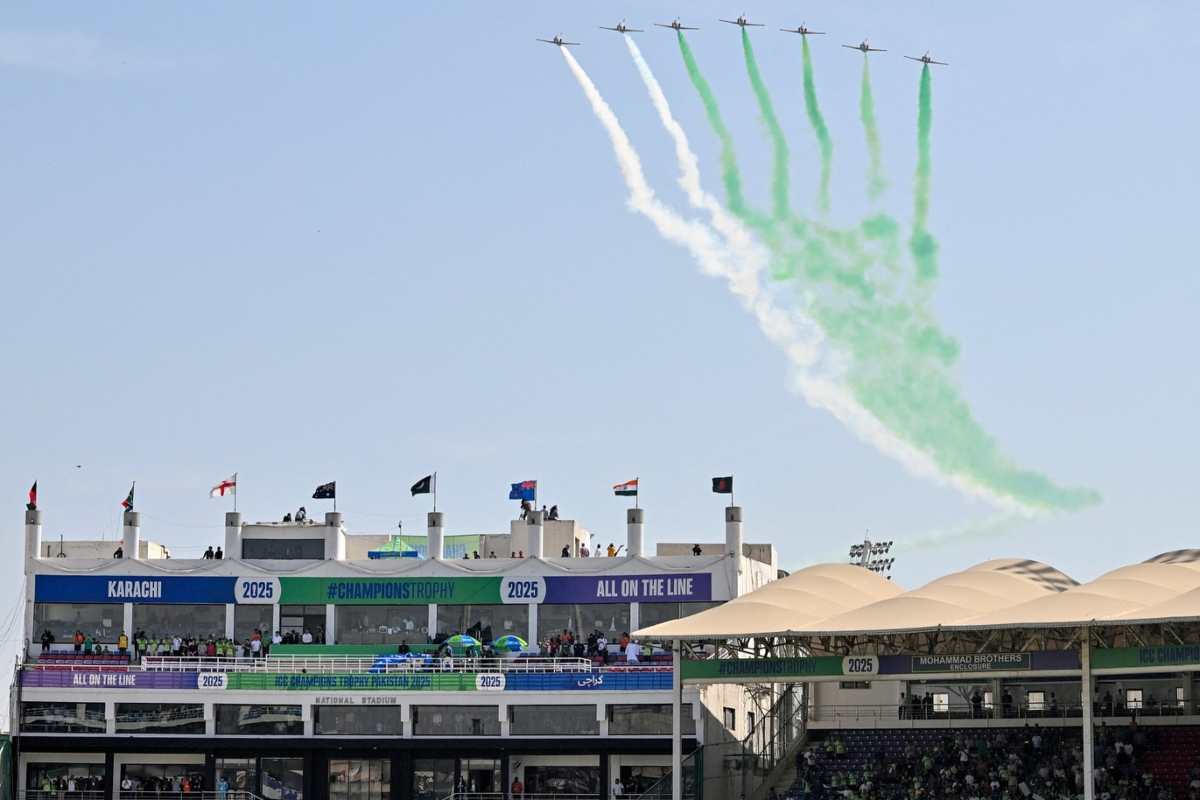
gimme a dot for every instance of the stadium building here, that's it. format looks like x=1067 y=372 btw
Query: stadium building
x=306 y=663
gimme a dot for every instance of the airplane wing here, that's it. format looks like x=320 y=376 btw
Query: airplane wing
x=572 y=43
x=606 y=28
x=851 y=46
x=912 y=58
x=663 y=25
x=548 y=41
x=730 y=21
x=686 y=28
x=634 y=30
x=876 y=50
x=756 y=24
x=941 y=63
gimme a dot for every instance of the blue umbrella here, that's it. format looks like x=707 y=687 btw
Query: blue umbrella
x=510 y=644
x=462 y=640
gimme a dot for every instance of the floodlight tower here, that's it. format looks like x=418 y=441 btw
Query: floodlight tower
x=873 y=556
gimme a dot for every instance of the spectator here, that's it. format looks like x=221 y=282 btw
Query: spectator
x=301 y=514
x=517 y=787
x=119 y=552
x=583 y=551
x=696 y=550
x=474 y=554
x=47 y=640
x=618 y=789
x=566 y=552
x=553 y=513
x=526 y=508
x=123 y=644
x=633 y=652
x=287 y=517
x=612 y=550
x=218 y=555
x=492 y=554
x=208 y=554
x=222 y=788
x=306 y=638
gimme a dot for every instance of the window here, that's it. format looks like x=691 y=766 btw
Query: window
x=382 y=624
x=40 y=777
x=1179 y=701
x=729 y=718
x=358 y=721
x=360 y=779
x=283 y=549
x=259 y=720
x=162 y=778
x=250 y=618
x=282 y=778
x=101 y=621
x=1133 y=699
x=647 y=720
x=941 y=702
x=240 y=773
x=433 y=778
x=558 y=780
x=750 y=722
x=203 y=621
x=298 y=619
x=654 y=613
x=62 y=717
x=553 y=720
x=987 y=700
x=160 y=718
x=612 y=619
x=1035 y=701
x=855 y=684
x=456 y=720
x=484 y=622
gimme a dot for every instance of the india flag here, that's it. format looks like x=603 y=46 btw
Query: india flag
x=626 y=489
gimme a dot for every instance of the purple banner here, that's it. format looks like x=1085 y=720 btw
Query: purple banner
x=96 y=679
x=628 y=588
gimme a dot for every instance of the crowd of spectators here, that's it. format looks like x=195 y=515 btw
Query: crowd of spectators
x=567 y=645
x=257 y=645
x=69 y=784
x=1031 y=763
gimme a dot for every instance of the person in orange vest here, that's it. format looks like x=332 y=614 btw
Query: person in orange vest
x=123 y=644
x=78 y=640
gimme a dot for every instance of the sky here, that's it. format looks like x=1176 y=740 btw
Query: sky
x=362 y=243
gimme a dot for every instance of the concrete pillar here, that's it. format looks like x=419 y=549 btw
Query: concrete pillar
x=435 y=547
x=634 y=519
x=330 y=623
x=132 y=533
x=1085 y=695
x=534 y=531
x=333 y=533
x=733 y=546
x=33 y=534
x=233 y=534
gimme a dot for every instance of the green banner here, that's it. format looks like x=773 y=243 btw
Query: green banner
x=337 y=682
x=1127 y=657
x=765 y=668
x=975 y=662
x=390 y=591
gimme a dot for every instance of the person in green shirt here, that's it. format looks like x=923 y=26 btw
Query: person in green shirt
x=89 y=645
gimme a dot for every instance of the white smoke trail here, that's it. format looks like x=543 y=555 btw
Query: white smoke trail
x=798 y=337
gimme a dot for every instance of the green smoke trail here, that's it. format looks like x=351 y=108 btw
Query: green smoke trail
x=922 y=244
x=779 y=172
x=866 y=110
x=818 y=125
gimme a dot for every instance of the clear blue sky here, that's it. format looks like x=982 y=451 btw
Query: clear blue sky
x=309 y=242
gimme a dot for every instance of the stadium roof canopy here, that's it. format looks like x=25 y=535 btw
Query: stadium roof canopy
x=842 y=599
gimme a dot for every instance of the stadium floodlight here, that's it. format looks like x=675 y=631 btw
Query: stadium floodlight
x=873 y=556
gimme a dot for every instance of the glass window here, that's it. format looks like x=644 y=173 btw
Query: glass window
x=62 y=717
x=101 y=621
x=283 y=549
x=1036 y=701
x=250 y=618
x=204 y=621
x=654 y=613
x=360 y=779
x=359 y=721
x=987 y=700
x=298 y=619
x=1133 y=699
x=480 y=775
x=42 y=779
x=610 y=618
x=562 y=780
x=638 y=779
x=282 y=778
x=160 y=718
x=259 y=720
x=729 y=718
x=553 y=721
x=941 y=702
x=162 y=778
x=382 y=624
x=456 y=720
x=485 y=623
x=647 y=720
x=433 y=778
x=240 y=773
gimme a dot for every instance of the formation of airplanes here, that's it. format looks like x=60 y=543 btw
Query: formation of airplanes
x=743 y=22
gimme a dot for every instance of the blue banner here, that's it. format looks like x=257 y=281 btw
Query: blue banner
x=696 y=587
x=636 y=680
x=133 y=589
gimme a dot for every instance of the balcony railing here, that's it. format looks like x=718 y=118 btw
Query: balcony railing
x=996 y=715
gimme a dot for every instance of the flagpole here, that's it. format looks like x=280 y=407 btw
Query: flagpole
x=435 y=491
x=235 y=492
x=637 y=495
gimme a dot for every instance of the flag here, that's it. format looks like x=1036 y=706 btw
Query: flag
x=32 y=504
x=227 y=486
x=127 y=503
x=326 y=491
x=423 y=486
x=723 y=485
x=525 y=490
x=626 y=489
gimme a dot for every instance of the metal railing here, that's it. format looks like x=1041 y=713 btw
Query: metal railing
x=63 y=794
x=997 y=714
x=524 y=796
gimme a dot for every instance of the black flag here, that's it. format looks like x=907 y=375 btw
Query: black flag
x=326 y=491
x=423 y=486
x=723 y=485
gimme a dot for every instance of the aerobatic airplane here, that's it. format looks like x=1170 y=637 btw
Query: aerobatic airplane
x=558 y=40
x=865 y=47
x=803 y=31
x=676 y=26
x=925 y=59
x=743 y=22
x=621 y=28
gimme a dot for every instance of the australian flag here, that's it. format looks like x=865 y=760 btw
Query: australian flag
x=326 y=491
x=525 y=490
